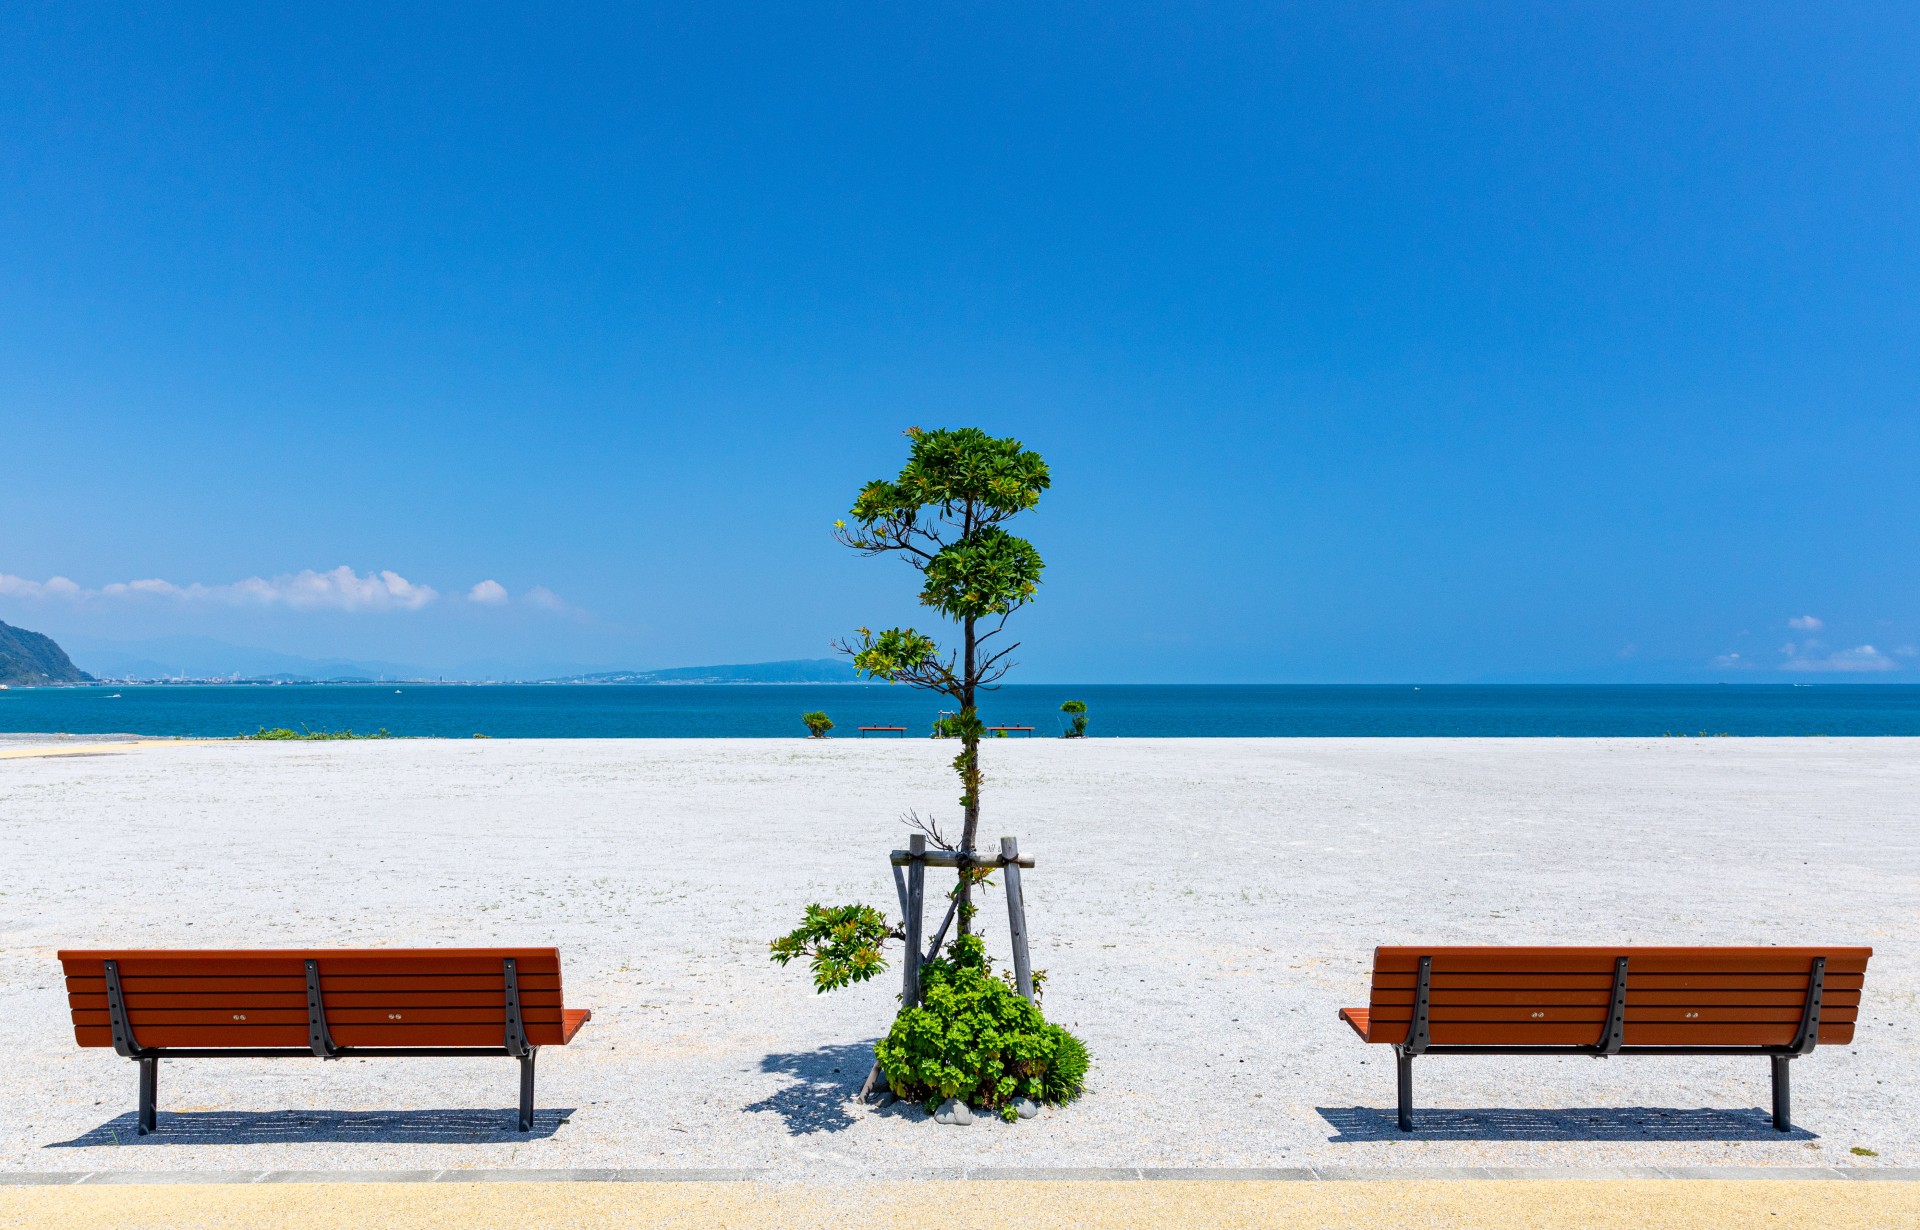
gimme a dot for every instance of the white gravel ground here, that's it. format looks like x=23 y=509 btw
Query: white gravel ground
x=1203 y=906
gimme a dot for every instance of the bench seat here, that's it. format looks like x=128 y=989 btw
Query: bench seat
x=1776 y=1002
x=154 y=1004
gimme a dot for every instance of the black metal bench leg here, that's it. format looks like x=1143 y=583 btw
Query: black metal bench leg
x=1782 y=1095
x=1404 y=1062
x=149 y=1093
x=526 y=1091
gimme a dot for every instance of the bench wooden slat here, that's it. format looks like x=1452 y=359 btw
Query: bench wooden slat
x=332 y=1000
x=1586 y=1033
x=1597 y=1016
x=1596 y=981
x=292 y=961
x=141 y=1018
x=1652 y=960
x=1636 y=998
x=495 y=984
x=1549 y=1033
x=372 y=1036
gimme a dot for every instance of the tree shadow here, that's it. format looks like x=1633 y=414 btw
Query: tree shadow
x=825 y=1081
x=282 y=1127
x=1625 y=1123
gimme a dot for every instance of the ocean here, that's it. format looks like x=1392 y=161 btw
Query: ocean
x=745 y=711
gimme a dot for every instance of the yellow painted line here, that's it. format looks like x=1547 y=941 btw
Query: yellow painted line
x=1698 y=1204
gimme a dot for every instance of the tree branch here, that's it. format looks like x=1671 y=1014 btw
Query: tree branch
x=929 y=826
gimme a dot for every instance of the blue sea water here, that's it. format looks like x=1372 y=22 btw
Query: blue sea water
x=773 y=711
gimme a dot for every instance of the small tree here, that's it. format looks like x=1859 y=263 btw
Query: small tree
x=943 y=515
x=970 y=1037
x=1076 y=711
x=818 y=724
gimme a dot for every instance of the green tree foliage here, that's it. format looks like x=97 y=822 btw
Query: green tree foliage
x=944 y=514
x=818 y=724
x=1076 y=711
x=841 y=944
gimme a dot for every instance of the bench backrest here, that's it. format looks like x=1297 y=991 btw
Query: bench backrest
x=1560 y=996
x=373 y=997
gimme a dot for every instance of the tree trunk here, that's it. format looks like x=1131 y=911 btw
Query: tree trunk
x=969 y=766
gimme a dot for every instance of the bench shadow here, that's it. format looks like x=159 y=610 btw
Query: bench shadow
x=1622 y=1123
x=825 y=1080
x=282 y=1127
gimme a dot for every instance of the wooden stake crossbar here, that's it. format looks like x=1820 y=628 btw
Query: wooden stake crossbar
x=912 y=891
x=951 y=858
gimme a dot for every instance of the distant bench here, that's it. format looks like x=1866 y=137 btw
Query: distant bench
x=1777 y=1002
x=154 y=1004
x=1010 y=729
x=884 y=730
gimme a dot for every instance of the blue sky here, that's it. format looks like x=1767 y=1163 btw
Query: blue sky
x=1367 y=343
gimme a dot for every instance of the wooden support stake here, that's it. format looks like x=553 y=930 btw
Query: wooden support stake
x=916 y=899
x=1016 y=915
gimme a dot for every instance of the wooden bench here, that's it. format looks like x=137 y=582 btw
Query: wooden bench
x=154 y=1004
x=1777 y=1002
x=1005 y=730
x=885 y=730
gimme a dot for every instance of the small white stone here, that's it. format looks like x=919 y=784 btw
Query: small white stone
x=1026 y=1108
x=953 y=1110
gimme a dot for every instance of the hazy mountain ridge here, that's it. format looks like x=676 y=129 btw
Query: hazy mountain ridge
x=795 y=670
x=199 y=659
x=28 y=658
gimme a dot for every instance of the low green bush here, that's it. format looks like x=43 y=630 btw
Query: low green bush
x=818 y=724
x=282 y=732
x=974 y=1038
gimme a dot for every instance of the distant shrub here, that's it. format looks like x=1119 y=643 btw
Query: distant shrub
x=1076 y=711
x=282 y=732
x=974 y=1038
x=818 y=724
x=946 y=726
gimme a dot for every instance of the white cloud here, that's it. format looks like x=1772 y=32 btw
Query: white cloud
x=1806 y=623
x=338 y=589
x=546 y=599
x=488 y=593
x=1731 y=662
x=1861 y=658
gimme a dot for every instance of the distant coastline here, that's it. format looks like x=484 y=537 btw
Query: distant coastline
x=773 y=710
x=794 y=671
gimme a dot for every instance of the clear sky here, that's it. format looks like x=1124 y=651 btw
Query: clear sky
x=1366 y=343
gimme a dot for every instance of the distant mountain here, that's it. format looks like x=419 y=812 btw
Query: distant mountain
x=799 y=670
x=28 y=658
x=202 y=657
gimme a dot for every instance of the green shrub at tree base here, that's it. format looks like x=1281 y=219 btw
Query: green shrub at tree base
x=818 y=724
x=974 y=1038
